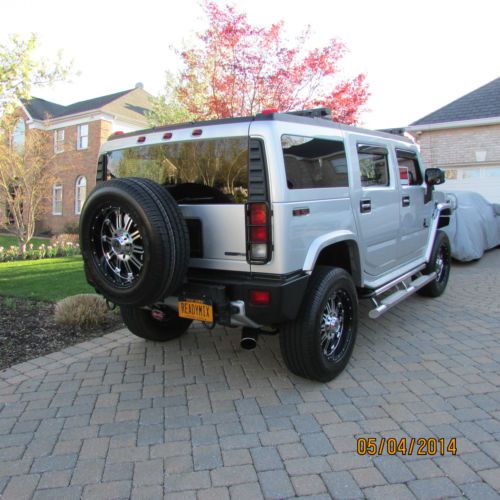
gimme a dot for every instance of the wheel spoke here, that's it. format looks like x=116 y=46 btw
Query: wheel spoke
x=121 y=246
x=118 y=217
x=110 y=225
x=127 y=222
x=128 y=269
x=136 y=262
x=138 y=249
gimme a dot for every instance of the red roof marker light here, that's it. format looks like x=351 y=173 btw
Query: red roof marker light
x=269 y=111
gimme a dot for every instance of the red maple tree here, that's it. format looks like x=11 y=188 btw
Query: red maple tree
x=238 y=69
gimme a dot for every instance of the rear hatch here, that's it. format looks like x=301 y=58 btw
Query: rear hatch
x=206 y=169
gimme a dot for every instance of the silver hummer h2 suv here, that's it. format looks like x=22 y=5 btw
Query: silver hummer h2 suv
x=276 y=223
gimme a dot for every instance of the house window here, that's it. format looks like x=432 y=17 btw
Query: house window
x=80 y=193
x=57 y=190
x=59 y=140
x=18 y=136
x=83 y=137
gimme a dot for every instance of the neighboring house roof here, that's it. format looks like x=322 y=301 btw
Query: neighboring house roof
x=481 y=103
x=39 y=109
x=128 y=104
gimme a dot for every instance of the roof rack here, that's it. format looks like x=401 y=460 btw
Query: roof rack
x=325 y=113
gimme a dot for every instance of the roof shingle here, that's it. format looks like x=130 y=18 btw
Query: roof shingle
x=40 y=109
x=483 y=102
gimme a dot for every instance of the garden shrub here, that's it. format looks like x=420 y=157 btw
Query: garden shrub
x=85 y=310
x=64 y=238
x=30 y=252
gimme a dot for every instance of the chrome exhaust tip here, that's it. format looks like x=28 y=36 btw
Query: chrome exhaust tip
x=248 y=339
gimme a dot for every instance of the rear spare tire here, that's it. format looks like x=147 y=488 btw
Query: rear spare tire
x=134 y=241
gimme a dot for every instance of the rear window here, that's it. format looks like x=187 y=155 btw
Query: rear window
x=195 y=172
x=314 y=163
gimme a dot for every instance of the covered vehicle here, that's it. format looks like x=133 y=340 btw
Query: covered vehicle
x=474 y=226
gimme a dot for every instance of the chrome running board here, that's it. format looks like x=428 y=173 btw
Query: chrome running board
x=404 y=288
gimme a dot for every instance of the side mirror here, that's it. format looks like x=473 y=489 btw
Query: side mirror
x=434 y=176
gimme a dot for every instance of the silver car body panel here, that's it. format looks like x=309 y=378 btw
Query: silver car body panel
x=391 y=239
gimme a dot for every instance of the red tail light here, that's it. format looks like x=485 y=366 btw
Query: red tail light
x=258 y=233
x=258 y=214
x=260 y=297
x=269 y=111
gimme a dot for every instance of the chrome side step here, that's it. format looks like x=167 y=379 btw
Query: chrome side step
x=400 y=294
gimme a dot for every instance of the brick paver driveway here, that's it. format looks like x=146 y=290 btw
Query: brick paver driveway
x=119 y=417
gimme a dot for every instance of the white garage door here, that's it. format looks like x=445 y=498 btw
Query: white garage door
x=482 y=180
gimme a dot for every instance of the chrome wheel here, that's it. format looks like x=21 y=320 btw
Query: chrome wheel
x=441 y=263
x=121 y=245
x=334 y=323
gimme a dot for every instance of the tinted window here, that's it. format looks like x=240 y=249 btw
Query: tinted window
x=314 y=163
x=409 y=168
x=201 y=171
x=373 y=165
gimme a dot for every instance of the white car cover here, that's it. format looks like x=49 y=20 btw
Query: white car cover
x=474 y=226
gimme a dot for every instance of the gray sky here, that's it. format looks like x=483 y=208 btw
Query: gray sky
x=417 y=55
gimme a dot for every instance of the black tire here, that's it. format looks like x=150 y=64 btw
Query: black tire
x=440 y=262
x=146 y=259
x=301 y=343
x=142 y=323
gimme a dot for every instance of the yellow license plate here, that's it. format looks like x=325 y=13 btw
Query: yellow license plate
x=194 y=309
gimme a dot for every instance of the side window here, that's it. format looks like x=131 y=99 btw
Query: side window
x=373 y=165
x=410 y=173
x=83 y=137
x=57 y=199
x=314 y=163
x=59 y=140
x=80 y=193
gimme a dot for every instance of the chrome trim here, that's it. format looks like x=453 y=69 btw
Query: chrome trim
x=409 y=274
x=240 y=318
x=400 y=295
x=432 y=233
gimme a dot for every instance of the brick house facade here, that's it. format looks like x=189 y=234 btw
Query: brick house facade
x=463 y=138
x=77 y=132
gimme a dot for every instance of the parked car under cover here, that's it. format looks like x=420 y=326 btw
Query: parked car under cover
x=474 y=226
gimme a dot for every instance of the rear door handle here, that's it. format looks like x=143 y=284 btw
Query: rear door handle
x=406 y=201
x=365 y=206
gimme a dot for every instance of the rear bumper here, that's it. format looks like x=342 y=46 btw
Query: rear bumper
x=230 y=295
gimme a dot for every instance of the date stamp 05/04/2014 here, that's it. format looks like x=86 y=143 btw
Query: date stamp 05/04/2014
x=406 y=446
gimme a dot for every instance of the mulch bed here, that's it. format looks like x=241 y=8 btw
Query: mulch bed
x=28 y=330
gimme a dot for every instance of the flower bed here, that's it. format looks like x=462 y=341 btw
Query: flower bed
x=30 y=252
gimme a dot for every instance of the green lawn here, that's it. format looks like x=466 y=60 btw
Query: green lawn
x=6 y=241
x=46 y=279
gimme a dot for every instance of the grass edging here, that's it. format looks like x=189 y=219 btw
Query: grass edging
x=48 y=280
